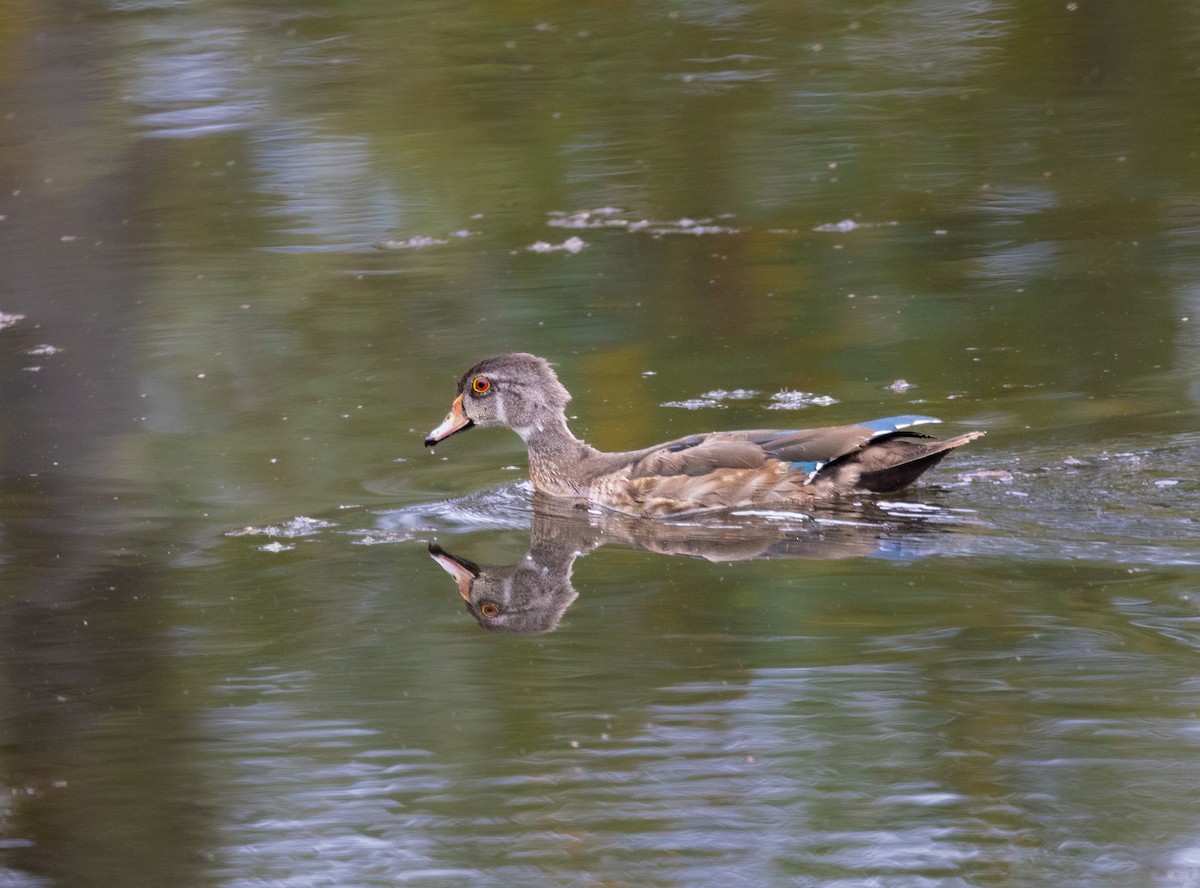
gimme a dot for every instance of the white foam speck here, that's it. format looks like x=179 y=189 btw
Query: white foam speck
x=797 y=400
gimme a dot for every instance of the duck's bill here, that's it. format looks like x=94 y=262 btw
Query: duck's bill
x=455 y=421
x=463 y=571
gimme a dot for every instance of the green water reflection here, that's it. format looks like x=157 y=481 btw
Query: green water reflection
x=247 y=251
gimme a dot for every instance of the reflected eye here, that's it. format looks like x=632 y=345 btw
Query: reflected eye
x=489 y=610
x=481 y=385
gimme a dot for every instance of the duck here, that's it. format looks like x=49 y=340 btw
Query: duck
x=785 y=469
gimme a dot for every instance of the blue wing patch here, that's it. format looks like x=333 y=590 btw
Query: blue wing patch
x=810 y=466
x=896 y=423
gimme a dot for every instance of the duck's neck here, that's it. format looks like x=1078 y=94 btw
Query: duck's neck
x=556 y=458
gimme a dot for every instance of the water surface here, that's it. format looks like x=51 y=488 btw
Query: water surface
x=248 y=250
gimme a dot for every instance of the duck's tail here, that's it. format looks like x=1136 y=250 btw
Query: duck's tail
x=895 y=463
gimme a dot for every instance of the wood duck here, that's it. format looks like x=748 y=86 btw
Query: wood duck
x=714 y=471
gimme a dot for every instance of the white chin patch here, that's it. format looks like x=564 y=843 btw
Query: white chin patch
x=526 y=431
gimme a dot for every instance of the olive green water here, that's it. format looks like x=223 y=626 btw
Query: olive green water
x=245 y=252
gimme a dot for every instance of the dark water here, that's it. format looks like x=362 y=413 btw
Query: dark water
x=247 y=249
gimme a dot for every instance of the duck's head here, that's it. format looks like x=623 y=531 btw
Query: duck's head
x=518 y=391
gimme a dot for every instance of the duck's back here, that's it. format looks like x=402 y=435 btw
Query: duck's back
x=767 y=467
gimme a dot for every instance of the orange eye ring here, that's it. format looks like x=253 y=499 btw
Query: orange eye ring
x=489 y=610
x=481 y=385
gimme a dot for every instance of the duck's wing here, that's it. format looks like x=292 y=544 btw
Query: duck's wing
x=819 y=451
x=804 y=451
x=770 y=467
x=698 y=455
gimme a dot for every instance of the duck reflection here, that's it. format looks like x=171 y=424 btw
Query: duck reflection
x=531 y=596
x=526 y=598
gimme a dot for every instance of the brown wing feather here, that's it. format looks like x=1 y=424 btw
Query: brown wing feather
x=700 y=454
x=812 y=445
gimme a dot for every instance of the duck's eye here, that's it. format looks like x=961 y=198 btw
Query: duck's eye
x=489 y=610
x=481 y=385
